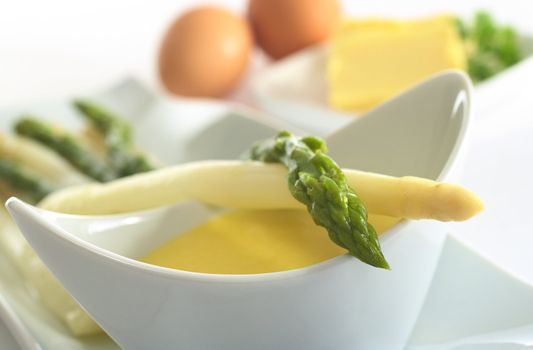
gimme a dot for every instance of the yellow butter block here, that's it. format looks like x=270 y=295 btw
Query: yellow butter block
x=372 y=60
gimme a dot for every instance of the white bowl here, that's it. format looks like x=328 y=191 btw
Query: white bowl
x=340 y=303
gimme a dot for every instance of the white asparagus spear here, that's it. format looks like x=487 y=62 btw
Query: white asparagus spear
x=256 y=185
x=42 y=283
x=41 y=160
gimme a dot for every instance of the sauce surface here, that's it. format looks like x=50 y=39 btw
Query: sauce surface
x=253 y=241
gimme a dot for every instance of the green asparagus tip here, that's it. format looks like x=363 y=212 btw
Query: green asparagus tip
x=116 y=133
x=104 y=120
x=315 y=180
x=66 y=145
x=23 y=180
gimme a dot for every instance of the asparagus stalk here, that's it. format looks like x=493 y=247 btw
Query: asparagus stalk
x=258 y=185
x=314 y=180
x=23 y=180
x=317 y=181
x=67 y=146
x=117 y=137
x=41 y=160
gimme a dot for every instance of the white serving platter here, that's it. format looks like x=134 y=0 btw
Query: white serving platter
x=198 y=119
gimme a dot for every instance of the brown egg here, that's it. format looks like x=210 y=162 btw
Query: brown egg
x=205 y=52
x=282 y=27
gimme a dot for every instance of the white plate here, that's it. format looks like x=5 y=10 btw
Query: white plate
x=193 y=118
x=295 y=89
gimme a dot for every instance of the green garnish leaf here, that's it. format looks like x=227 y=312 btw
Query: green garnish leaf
x=491 y=47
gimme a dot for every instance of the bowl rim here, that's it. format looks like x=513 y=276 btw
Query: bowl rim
x=84 y=247
x=15 y=203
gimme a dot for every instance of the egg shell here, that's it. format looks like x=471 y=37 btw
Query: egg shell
x=282 y=27
x=205 y=52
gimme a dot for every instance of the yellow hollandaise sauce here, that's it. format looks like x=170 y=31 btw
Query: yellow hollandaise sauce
x=253 y=241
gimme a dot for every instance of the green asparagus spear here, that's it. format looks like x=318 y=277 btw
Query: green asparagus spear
x=117 y=137
x=66 y=146
x=23 y=180
x=317 y=181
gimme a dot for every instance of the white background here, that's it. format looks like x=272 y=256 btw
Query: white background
x=57 y=48
x=52 y=48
